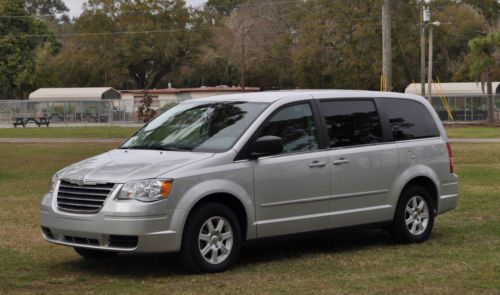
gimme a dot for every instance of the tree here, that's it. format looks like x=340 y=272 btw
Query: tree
x=490 y=9
x=485 y=52
x=144 y=111
x=150 y=39
x=53 y=9
x=309 y=44
x=222 y=7
x=20 y=38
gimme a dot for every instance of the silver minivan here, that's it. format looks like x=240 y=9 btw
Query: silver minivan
x=210 y=174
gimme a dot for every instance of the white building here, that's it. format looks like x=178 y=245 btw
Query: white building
x=466 y=101
x=74 y=94
x=162 y=97
x=455 y=89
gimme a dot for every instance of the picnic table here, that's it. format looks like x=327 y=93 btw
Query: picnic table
x=43 y=120
x=19 y=121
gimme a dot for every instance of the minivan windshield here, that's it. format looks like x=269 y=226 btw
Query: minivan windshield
x=197 y=126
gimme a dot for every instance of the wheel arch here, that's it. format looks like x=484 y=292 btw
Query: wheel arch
x=428 y=184
x=418 y=175
x=230 y=201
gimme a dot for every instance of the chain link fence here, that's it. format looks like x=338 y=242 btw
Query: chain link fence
x=466 y=108
x=81 y=111
x=463 y=108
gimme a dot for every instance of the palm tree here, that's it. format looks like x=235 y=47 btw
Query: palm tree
x=485 y=54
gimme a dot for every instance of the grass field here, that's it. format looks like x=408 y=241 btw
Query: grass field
x=461 y=257
x=68 y=132
x=124 y=132
x=475 y=132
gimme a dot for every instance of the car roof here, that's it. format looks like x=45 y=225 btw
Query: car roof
x=272 y=96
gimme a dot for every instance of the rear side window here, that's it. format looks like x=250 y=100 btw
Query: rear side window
x=409 y=119
x=353 y=122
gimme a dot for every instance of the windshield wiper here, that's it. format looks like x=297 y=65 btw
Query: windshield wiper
x=159 y=148
x=173 y=148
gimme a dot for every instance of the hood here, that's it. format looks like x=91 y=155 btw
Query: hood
x=127 y=165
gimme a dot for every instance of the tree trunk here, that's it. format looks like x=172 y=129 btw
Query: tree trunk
x=489 y=91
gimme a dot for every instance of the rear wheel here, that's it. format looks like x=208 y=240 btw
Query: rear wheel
x=92 y=254
x=211 y=240
x=414 y=216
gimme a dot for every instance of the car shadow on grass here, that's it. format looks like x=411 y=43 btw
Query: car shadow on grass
x=252 y=255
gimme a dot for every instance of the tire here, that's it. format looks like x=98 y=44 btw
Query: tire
x=215 y=248
x=92 y=254
x=416 y=208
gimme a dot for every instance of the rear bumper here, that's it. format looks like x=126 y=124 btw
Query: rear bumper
x=449 y=195
x=128 y=226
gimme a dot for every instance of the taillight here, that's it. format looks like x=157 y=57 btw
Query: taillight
x=450 y=156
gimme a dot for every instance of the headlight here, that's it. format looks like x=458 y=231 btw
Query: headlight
x=53 y=183
x=146 y=190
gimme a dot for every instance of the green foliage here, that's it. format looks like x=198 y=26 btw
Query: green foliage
x=144 y=110
x=485 y=52
x=485 y=63
x=51 y=8
x=489 y=8
x=310 y=44
x=149 y=59
x=222 y=7
x=325 y=44
x=17 y=50
x=335 y=49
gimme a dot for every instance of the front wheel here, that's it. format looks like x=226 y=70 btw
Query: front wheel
x=414 y=216
x=212 y=239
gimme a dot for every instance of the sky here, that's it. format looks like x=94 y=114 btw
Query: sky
x=75 y=6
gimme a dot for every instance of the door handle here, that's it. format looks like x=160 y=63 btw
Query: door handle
x=341 y=161
x=317 y=164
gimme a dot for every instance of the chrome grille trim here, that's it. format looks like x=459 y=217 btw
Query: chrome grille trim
x=87 y=198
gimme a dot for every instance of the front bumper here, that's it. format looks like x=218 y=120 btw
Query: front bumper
x=125 y=226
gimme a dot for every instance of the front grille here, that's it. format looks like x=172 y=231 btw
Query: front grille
x=82 y=241
x=87 y=198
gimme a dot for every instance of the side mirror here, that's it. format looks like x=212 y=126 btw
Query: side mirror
x=266 y=146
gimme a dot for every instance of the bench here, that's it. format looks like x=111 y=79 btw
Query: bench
x=19 y=121
x=43 y=120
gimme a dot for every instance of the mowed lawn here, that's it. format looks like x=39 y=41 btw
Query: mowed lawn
x=461 y=257
x=123 y=132
x=68 y=132
x=472 y=131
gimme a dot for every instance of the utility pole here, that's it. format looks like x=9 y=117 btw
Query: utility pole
x=386 y=46
x=422 y=47
x=429 y=73
x=242 y=65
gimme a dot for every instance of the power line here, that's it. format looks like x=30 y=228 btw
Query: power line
x=104 y=33
x=159 y=31
x=196 y=7
x=317 y=21
x=271 y=3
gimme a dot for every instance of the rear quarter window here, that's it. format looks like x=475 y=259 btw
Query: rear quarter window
x=351 y=122
x=408 y=119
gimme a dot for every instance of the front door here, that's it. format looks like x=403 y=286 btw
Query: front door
x=292 y=189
